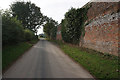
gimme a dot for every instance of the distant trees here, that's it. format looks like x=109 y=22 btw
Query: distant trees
x=29 y=14
x=42 y=35
x=50 y=28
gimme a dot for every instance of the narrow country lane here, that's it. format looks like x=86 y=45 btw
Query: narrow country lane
x=45 y=60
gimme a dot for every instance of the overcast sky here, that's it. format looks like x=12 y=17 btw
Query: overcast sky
x=51 y=8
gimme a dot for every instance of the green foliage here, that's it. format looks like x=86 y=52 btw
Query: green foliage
x=47 y=28
x=42 y=35
x=103 y=67
x=28 y=13
x=28 y=35
x=50 y=28
x=53 y=32
x=65 y=35
x=12 y=29
x=12 y=52
x=73 y=25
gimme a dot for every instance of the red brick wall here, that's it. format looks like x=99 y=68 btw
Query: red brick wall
x=101 y=33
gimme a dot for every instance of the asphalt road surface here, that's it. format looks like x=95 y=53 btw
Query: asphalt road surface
x=45 y=60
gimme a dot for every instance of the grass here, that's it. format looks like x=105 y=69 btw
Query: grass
x=11 y=52
x=33 y=41
x=102 y=66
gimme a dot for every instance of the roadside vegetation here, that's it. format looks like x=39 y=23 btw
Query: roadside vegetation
x=50 y=28
x=20 y=25
x=15 y=39
x=73 y=25
x=19 y=30
x=102 y=66
x=13 y=52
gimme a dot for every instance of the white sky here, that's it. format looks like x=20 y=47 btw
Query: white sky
x=51 y=8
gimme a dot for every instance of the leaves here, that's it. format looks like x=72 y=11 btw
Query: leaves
x=50 y=28
x=72 y=25
x=13 y=31
x=29 y=14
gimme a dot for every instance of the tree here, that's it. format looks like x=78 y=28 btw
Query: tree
x=12 y=29
x=73 y=25
x=29 y=14
x=50 y=28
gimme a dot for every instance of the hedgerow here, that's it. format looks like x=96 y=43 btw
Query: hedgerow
x=12 y=30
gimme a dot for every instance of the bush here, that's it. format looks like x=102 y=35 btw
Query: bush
x=28 y=35
x=12 y=29
x=73 y=25
x=53 y=33
x=50 y=28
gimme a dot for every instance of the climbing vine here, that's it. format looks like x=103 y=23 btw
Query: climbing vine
x=73 y=25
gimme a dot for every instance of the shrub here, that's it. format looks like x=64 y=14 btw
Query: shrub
x=12 y=29
x=73 y=25
x=29 y=35
x=50 y=28
x=53 y=33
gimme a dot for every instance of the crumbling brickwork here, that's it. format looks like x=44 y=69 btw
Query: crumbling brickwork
x=102 y=29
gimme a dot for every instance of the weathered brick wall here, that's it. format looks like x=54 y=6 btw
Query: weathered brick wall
x=102 y=31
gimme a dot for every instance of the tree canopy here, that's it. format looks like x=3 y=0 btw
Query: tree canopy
x=13 y=31
x=73 y=25
x=29 y=14
x=50 y=28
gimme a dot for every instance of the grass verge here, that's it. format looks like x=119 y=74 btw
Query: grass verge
x=102 y=66
x=11 y=52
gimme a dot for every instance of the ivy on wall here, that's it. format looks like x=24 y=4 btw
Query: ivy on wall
x=73 y=25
